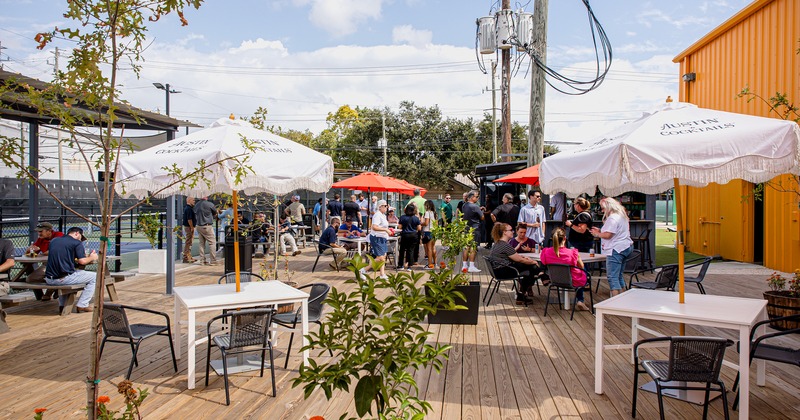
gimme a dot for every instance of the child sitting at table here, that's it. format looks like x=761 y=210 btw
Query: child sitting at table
x=560 y=254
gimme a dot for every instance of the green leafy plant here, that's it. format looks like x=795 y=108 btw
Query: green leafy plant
x=149 y=224
x=378 y=341
x=776 y=282
x=455 y=236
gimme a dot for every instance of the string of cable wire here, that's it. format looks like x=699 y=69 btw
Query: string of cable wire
x=566 y=81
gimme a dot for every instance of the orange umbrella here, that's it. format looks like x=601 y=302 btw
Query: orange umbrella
x=527 y=176
x=410 y=187
x=371 y=181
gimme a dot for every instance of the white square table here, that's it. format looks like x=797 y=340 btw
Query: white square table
x=362 y=240
x=715 y=311
x=216 y=297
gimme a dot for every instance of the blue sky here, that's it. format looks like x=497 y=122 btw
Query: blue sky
x=303 y=58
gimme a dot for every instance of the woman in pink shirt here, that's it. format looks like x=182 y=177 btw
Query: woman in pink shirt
x=560 y=254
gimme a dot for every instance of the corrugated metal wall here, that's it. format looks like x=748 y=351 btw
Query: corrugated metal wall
x=757 y=48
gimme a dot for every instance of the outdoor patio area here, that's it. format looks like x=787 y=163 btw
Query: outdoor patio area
x=514 y=364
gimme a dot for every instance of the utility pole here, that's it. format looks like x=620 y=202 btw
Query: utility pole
x=385 y=144
x=171 y=204
x=494 y=113
x=538 y=86
x=1 y=55
x=505 y=98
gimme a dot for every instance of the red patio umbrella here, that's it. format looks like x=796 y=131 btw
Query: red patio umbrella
x=527 y=176
x=410 y=187
x=371 y=181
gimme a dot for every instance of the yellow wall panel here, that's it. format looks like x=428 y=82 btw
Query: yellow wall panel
x=755 y=49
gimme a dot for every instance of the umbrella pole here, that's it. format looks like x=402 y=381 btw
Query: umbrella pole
x=236 y=267
x=680 y=208
x=277 y=204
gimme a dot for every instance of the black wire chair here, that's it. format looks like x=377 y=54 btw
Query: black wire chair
x=666 y=277
x=561 y=281
x=703 y=263
x=691 y=359
x=509 y=273
x=771 y=352
x=316 y=304
x=244 y=277
x=117 y=329
x=248 y=332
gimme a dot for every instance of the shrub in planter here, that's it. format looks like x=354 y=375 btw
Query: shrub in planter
x=781 y=302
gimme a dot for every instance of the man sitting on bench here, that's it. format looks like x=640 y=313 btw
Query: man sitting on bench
x=65 y=252
x=6 y=262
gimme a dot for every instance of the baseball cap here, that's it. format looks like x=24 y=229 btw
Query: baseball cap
x=44 y=226
x=381 y=203
x=76 y=229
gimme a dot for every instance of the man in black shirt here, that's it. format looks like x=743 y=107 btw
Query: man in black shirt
x=352 y=211
x=189 y=222
x=335 y=207
x=64 y=253
x=507 y=212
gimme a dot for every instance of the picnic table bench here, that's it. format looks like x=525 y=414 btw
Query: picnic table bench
x=68 y=291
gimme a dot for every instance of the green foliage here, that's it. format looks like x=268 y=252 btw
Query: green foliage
x=456 y=236
x=149 y=224
x=378 y=341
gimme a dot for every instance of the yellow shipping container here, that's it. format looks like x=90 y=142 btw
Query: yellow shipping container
x=756 y=49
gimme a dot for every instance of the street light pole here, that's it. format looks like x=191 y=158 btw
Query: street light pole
x=171 y=250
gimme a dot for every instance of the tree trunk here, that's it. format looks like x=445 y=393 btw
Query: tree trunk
x=93 y=374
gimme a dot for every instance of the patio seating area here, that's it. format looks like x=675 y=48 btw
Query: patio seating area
x=516 y=363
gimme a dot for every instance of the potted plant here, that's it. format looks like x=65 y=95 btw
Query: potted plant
x=455 y=237
x=781 y=302
x=151 y=261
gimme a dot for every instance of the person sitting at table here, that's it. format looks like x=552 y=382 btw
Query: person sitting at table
x=328 y=244
x=65 y=253
x=503 y=255
x=42 y=247
x=391 y=217
x=350 y=230
x=287 y=237
x=260 y=231
x=6 y=262
x=560 y=254
x=409 y=236
x=580 y=228
x=522 y=243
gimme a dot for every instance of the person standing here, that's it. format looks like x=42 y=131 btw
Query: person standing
x=42 y=247
x=204 y=215
x=419 y=206
x=65 y=252
x=373 y=207
x=379 y=237
x=334 y=208
x=428 y=219
x=189 y=223
x=533 y=216
x=507 y=212
x=316 y=213
x=473 y=215
x=460 y=205
x=351 y=210
x=580 y=228
x=558 y=207
x=296 y=210
x=615 y=242
x=225 y=219
x=409 y=237
x=446 y=211
x=488 y=223
x=363 y=209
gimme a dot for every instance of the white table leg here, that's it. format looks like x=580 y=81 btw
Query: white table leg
x=567 y=302
x=598 y=352
x=304 y=314
x=744 y=372
x=191 y=343
x=634 y=336
x=176 y=337
x=761 y=364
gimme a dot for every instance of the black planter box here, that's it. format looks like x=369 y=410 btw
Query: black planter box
x=469 y=316
x=245 y=254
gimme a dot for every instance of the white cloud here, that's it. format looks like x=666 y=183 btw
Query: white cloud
x=259 y=44
x=647 y=18
x=342 y=17
x=408 y=35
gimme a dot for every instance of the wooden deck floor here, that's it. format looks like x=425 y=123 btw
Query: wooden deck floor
x=514 y=364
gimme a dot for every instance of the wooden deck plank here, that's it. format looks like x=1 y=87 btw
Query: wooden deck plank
x=514 y=364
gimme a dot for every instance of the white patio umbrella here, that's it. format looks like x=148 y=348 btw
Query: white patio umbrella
x=677 y=144
x=279 y=166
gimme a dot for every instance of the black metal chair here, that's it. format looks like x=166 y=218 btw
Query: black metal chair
x=642 y=243
x=244 y=277
x=770 y=352
x=508 y=273
x=336 y=261
x=630 y=266
x=666 y=277
x=316 y=304
x=703 y=263
x=117 y=329
x=691 y=359
x=561 y=281
x=248 y=332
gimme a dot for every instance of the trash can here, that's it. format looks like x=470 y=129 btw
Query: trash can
x=245 y=253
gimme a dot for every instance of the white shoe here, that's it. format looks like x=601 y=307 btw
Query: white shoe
x=384 y=277
x=473 y=269
x=363 y=271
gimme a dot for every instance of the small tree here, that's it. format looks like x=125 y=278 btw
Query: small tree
x=108 y=35
x=149 y=224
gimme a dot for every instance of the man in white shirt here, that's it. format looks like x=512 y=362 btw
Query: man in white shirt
x=533 y=215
